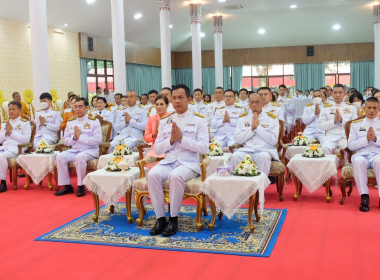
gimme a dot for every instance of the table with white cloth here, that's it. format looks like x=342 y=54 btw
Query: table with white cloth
x=313 y=173
x=229 y=193
x=130 y=159
x=217 y=161
x=292 y=150
x=110 y=187
x=37 y=166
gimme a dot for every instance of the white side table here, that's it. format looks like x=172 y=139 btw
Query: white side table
x=130 y=159
x=216 y=161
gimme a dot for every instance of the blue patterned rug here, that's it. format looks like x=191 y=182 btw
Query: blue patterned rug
x=228 y=237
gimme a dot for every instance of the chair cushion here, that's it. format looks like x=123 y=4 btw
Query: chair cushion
x=105 y=129
x=348 y=172
x=337 y=152
x=277 y=167
x=12 y=162
x=192 y=186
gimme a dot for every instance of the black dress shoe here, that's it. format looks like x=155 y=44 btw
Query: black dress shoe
x=3 y=187
x=80 y=191
x=159 y=226
x=22 y=175
x=364 y=206
x=171 y=228
x=66 y=190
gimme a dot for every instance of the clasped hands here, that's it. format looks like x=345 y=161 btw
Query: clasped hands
x=226 y=117
x=176 y=134
x=127 y=118
x=255 y=121
x=371 y=135
x=8 y=128
x=338 y=116
x=77 y=133
x=42 y=120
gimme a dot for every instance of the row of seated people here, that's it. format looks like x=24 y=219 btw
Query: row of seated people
x=182 y=136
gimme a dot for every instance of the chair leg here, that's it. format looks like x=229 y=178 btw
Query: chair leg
x=56 y=177
x=26 y=186
x=350 y=190
x=128 y=208
x=199 y=200
x=14 y=171
x=204 y=206
x=140 y=207
x=343 y=191
x=250 y=211
x=213 y=214
x=10 y=175
x=277 y=184
x=281 y=180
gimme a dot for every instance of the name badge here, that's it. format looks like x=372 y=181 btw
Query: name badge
x=170 y=120
x=247 y=124
x=87 y=126
x=265 y=125
x=362 y=129
x=190 y=124
x=346 y=110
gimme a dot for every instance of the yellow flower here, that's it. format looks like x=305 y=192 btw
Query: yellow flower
x=212 y=146
x=117 y=160
x=299 y=133
x=313 y=148
x=119 y=147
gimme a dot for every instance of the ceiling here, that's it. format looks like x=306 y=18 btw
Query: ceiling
x=309 y=24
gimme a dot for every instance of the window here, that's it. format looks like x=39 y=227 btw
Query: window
x=337 y=73
x=268 y=75
x=99 y=74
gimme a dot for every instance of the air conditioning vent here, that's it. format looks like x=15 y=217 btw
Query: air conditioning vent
x=234 y=7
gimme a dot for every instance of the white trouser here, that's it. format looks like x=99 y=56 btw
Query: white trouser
x=225 y=142
x=131 y=142
x=317 y=136
x=328 y=146
x=263 y=160
x=177 y=175
x=360 y=164
x=38 y=138
x=63 y=160
x=4 y=156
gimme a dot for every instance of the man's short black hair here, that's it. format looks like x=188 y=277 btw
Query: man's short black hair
x=153 y=91
x=243 y=89
x=372 y=99
x=263 y=88
x=16 y=103
x=167 y=88
x=118 y=94
x=13 y=94
x=85 y=101
x=230 y=91
x=144 y=94
x=97 y=88
x=338 y=86
x=184 y=87
x=219 y=88
x=46 y=95
x=197 y=89
x=282 y=86
x=323 y=88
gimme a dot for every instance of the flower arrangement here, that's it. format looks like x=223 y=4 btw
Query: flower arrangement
x=112 y=164
x=44 y=148
x=246 y=168
x=122 y=150
x=300 y=140
x=313 y=150
x=214 y=149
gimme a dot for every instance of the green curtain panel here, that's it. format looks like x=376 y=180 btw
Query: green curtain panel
x=227 y=77
x=83 y=77
x=309 y=75
x=183 y=76
x=362 y=74
x=143 y=78
x=237 y=76
x=208 y=79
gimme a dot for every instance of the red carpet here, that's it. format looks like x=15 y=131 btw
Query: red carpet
x=318 y=241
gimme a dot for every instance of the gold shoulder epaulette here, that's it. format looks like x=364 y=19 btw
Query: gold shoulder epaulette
x=55 y=109
x=192 y=103
x=237 y=106
x=73 y=118
x=288 y=97
x=244 y=114
x=24 y=120
x=206 y=103
x=164 y=117
x=40 y=110
x=273 y=116
x=141 y=106
x=124 y=107
x=221 y=107
x=309 y=104
x=326 y=104
x=91 y=117
x=358 y=120
x=199 y=115
x=275 y=104
x=109 y=109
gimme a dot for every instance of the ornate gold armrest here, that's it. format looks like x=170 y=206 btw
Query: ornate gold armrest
x=26 y=145
x=140 y=148
x=234 y=147
x=142 y=162
x=104 y=147
x=349 y=155
x=60 y=147
x=284 y=148
x=204 y=164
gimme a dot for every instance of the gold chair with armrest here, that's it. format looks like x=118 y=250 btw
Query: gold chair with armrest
x=92 y=165
x=192 y=190
x=277 y=168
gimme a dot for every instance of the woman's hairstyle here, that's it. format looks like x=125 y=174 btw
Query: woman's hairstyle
x=163 y=97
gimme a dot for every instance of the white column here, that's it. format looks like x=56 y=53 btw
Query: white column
x=39 y=47
x=166 y=59
x=195 y=13
x=218 y=34
x=118 y=46
x=376 y=15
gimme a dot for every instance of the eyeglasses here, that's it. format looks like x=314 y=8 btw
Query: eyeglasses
x=229 y=96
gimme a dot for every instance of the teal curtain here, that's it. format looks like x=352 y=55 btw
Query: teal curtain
x=208 y=79
x=227 y=77
x=309 y=75
x=83 y=77
x=237 y=76
x=183 y=76
x=362 y=74
x=143 y=78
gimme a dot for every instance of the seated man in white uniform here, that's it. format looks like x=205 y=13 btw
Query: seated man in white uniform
x=84 y=134
x=311 y=115
x=13 y=132
x=198 y=101
x=332 y=121
x=364 y=139
x=225 y=120
x=165 y=92
x=258 y=133
x=130 y=123
x=152 y=94
x=243 y=99
x=182 y=137
x=48 y=121
x=118 y=104
x=218 y=102
x=269 y=105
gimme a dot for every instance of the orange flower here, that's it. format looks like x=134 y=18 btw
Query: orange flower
x=117 y=160
x=313 y=148
x=119 y=147
x=212 y=146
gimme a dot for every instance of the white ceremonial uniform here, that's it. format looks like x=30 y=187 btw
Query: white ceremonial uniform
x=181 y=161
x=146 y=106
x=243 y=103
x=276 y=109
x=289 y=109
x=132 y=132
x=49 y=131
x=153 y=110
x=107 y=114
x=311 y=121
x=82 y=150
x=330 y=100
x=367 y=152
x=225 y=131
x=258 y=143
x=116 y=107
x=210 y=114
x=192 y=107
x=335 y=136
x=110 y=97
x=202 y=107
x=21 y=133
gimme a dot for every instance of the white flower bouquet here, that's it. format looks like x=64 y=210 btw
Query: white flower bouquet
x=246 y=168
x=300 y=140
x=44 y=148
x=214 y=149
x=113 y=164
x=122 y=150
x=313 y=151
